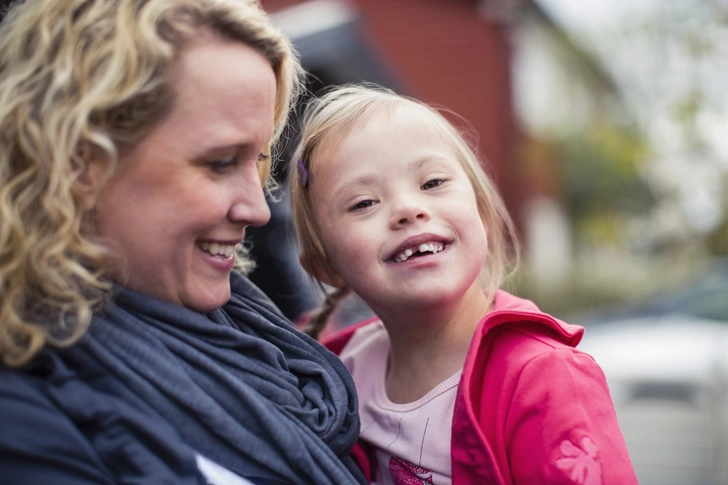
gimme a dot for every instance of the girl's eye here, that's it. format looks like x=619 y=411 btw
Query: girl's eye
x=363 y=205
x=223 y=165
x=431 y=184
x=263 y=157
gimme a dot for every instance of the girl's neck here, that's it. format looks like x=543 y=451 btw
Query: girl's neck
x=430 y=345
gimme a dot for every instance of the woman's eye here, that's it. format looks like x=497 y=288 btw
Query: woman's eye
x=263 y=157
x=223 y=165
x=431 y=184
x=363 y=204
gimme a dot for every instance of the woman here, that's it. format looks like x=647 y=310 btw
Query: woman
x=135 y=136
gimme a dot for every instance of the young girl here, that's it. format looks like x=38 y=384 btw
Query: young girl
x=458 y=382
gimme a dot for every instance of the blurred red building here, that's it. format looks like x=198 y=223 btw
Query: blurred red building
x=452 y=54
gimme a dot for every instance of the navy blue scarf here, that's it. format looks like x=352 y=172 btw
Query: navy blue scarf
x=240 y=386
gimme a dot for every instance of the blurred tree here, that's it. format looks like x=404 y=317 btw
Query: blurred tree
x=644 y=186
x=599 y=172
x=670 y=60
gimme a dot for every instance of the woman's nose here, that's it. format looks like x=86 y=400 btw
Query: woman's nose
x=407 y=211
x=250 y=206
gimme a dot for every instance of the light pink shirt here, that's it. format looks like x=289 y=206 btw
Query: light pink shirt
x=412 y=440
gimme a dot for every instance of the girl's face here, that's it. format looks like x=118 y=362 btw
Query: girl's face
x=181 y=200
x=398 y=215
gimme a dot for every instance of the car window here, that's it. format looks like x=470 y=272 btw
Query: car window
x=712 y=304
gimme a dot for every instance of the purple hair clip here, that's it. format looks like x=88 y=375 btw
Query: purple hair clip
x=302 y=174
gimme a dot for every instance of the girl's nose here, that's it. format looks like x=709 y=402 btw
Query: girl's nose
x=407 y=212
x=249 y=204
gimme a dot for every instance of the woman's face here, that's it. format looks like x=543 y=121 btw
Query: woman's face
x=181 y=199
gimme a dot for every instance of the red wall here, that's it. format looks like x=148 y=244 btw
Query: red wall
x=446 y=53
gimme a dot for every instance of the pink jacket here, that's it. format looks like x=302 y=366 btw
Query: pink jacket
x=530 y=408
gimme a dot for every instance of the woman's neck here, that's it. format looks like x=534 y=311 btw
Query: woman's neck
x=430 y=345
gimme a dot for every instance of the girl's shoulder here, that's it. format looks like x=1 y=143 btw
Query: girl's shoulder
x=336 y=341
x=515 y=333
x=525 y=320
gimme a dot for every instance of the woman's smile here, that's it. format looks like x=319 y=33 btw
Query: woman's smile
x=220 y=256
x=222 y=250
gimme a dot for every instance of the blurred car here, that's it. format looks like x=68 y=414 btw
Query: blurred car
x=666 y=362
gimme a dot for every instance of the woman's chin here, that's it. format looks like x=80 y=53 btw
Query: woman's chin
x=207 y=300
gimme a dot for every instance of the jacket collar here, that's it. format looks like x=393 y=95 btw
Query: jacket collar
x=508 y=308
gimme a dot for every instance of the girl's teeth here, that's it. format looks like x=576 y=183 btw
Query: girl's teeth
x=423 y=248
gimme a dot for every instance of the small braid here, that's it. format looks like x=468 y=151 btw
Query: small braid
x=320 y=317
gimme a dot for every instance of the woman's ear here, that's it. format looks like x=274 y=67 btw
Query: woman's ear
x=90 y=170
x=318 y=270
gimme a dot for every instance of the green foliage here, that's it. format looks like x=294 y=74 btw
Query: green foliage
x=717 y=241
x=599 y=176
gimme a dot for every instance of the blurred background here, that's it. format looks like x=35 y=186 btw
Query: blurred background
x=605 y=126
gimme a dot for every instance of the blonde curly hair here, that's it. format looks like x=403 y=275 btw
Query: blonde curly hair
x=328 y=120
x=79 y=75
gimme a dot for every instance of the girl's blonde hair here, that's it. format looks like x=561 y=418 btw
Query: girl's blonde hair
x=80 y=77
x=329 y=119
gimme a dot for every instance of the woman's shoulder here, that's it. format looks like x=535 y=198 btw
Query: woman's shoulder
x=24 y=398
x=21 y=393
x=39 y=443
x=61 y=425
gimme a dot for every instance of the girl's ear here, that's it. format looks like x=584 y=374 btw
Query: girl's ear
x=90 y=171
x=317 y=269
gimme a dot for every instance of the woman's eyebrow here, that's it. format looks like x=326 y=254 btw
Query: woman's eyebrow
x=226 y=148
